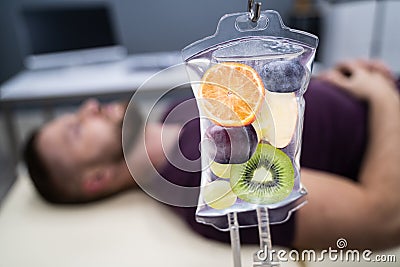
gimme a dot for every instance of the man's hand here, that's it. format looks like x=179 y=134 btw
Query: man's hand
x=367 y=212
x=367 y=80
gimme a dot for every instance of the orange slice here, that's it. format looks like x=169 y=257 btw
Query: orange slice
x=231 y=94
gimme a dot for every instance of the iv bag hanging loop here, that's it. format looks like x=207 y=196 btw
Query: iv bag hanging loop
x=254 y=9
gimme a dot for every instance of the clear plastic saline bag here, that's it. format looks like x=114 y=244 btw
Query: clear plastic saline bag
x=249 y=79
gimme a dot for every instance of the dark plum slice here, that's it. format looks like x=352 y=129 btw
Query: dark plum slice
x=232 y=145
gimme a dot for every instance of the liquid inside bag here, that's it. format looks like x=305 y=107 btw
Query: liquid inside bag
x=249 y=80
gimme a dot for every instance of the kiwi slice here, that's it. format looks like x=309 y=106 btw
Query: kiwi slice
x=266 y=178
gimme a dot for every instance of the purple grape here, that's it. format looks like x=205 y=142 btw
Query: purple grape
x=283 y=76
x=232 y=145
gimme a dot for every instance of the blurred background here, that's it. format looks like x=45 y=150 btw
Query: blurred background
x=140 y=26
x=56 y=53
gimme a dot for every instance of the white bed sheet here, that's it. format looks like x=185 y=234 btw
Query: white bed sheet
x=127 y=230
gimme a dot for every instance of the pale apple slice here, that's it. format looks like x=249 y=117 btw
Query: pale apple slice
x=277 y=119
x=221 y=170
x=218 y=195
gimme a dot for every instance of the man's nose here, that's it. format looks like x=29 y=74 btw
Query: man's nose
x=89 y=108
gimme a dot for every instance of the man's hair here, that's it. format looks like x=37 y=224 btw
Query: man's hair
x=40 y=174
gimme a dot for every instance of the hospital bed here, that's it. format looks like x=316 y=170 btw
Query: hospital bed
x=130 y=229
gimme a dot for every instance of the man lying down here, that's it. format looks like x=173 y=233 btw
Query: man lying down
x=350 y=160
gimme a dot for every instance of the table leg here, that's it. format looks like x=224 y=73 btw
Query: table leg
x=11 y=133
x=48 y=113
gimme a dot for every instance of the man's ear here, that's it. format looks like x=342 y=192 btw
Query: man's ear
x=98 y=179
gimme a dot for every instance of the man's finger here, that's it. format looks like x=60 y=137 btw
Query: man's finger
x=335 y=77
x=351 y=66
x=380 y=66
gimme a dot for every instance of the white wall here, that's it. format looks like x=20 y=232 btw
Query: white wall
x=390 y=48
x=362 y=29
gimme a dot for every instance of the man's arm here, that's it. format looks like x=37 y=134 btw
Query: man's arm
x=367 y=213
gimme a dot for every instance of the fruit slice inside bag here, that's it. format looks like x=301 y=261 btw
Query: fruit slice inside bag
x=249 y=79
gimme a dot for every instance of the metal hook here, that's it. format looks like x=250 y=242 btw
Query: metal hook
x=254 y=12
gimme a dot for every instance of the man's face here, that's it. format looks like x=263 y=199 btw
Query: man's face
x=74 y=142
